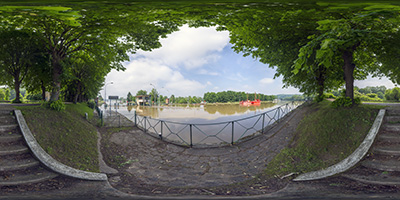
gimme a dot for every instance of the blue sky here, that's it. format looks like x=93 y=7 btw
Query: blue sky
x=193 y=61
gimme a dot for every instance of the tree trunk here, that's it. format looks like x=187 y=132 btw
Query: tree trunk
x=17 y=84
x=57 y=71
x=348 y=69
x=78 y=91
x=43 y=91
x=321 y=82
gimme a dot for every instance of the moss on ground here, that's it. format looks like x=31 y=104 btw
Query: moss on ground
x=323 y=138
x=65 y=135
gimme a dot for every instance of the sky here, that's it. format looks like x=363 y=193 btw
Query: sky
x=193 y=61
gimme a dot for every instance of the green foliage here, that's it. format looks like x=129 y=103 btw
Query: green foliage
x=57 y=105
x=330 y=96
x=34 y=97
x=2 y=95
x=141 y=92
x=232 y=96
x=15 y=100
x=345 y=102
x=91 y=104
x=392 y=94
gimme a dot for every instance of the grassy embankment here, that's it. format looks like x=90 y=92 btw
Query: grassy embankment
x=324 y=137
x=67 y=136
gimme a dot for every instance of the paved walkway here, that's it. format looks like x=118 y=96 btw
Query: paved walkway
x=157 y=162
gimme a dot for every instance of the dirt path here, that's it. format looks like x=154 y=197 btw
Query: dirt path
x=148 y=165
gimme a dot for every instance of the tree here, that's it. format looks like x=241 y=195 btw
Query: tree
x=154 y=95
x=2 y=95
x=172 y=99
x=105 y=31
x=317 y=48
x=141 y=92
x=129 y=97
x=18 y=57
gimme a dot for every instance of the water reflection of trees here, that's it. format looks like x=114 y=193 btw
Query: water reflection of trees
x=234 y=109
x=154 y=112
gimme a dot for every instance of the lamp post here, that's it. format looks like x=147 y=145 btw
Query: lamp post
x=105 y=91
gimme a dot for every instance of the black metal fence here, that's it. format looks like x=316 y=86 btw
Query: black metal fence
x=192 y=134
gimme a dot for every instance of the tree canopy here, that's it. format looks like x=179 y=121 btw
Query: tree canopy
x=315 y=47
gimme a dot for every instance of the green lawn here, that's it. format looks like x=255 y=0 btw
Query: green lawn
x=324 y=137
x=66 y=135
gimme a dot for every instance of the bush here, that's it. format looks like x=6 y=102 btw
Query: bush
x=345 y=102
x=57 y=105
x=34 y=97
x=91 y=104
x=330 y=96
x=15 y=100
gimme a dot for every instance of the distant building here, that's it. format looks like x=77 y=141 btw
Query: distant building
x=143 y=100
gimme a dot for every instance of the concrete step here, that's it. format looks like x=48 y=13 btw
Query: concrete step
x=7 y=119
x=384 y=165
x=10 y=138
x=13 y=150
x=390 y=150
x=26 y=177
x=391 y=128
x=13 y=164
x=393 y=112
x=392 y=119
x=389 y=137
x=6 y=112
x=376 y=179
x=8 y=127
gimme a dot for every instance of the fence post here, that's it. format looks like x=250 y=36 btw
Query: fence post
x=135 y=118
x=161 y=130
x=145 y=130
x=101 y=118
x=119 y=120
x=262 y=128
x=233 y=131
x=279 y=112
x=191 y=137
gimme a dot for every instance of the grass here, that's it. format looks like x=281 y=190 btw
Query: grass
x=324 y=137
x=65 y=135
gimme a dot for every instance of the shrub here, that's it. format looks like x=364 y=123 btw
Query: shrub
x=91 y=104
x=15 y=100
x=330 y=96
x=57 y=105
x=345 y=102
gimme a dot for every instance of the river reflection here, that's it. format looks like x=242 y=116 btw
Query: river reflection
x=198 y=113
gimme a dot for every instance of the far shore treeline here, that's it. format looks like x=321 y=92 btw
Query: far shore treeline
x=209 y=97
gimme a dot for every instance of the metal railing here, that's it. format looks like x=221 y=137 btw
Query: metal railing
x=196 y=134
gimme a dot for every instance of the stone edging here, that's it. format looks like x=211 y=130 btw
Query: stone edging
x=50 y=162
x=351 y=160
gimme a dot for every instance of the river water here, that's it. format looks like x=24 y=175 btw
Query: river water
x=205 y=124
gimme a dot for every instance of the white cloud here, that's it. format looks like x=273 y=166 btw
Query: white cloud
x=190 y=47
x=141 y=72
x=374 y=82
x=266 y=81
x=205 y=72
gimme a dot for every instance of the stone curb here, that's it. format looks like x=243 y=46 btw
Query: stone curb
x=351 y=160
x=50 y=162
